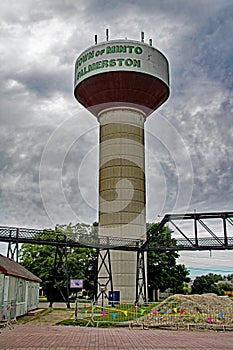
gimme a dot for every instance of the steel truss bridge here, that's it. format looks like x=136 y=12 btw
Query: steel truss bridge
x=193 y=231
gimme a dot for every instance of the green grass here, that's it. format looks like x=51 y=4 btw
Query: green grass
x=82 y=322
x=107 y=316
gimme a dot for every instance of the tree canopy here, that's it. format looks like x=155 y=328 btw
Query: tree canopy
x=82 y=262
x=163 y=271
x=212 y=283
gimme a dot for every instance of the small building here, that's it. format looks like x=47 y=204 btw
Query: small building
x=19 y=289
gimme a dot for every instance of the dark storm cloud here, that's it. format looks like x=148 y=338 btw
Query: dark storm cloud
x=208 y=48
x=19 y=176
x=45 y=83
x=40 y=41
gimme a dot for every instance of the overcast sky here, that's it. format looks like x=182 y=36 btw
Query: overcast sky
x=48 y=143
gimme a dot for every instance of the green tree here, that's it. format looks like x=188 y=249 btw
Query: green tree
x=163 y=271
x=229 y=277
x=206 y=284
x=82 y=262
x=39 y=259
x=224 y=287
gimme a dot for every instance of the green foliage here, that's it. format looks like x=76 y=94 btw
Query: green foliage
x=163 y=272
x=229 y=277
x=224 y=287
x=82 y=262
x=206 y=284
x=39 y=259
x=209 y=284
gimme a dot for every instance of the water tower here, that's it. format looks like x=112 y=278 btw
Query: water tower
x=121 y=82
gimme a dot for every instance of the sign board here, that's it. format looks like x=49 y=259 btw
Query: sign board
x=76 y=283
x=121 y=55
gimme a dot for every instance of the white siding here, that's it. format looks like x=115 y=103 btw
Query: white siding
x=17 y=296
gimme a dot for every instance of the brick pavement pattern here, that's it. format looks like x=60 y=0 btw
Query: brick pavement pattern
x=33 y=337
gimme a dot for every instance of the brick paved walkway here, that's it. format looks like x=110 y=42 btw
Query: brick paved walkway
x=62 y=338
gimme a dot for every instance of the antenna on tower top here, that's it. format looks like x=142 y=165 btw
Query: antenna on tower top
x=95 y=39
x=142 y=37
x=150 y=42
x=107 y=34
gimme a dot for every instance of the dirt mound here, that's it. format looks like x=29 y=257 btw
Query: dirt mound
x=203 y=304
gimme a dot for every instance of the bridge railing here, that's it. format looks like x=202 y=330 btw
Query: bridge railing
x=193 y=239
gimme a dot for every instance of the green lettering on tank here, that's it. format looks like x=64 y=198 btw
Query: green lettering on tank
x=110 y=49
x=120 y=60
x=128 y=62
x=112 y=62
x=120 y=48
x=136 y=63
x=91 y=67
x=105 y=63
x=98 y=65
x=80 y=74
x=130 y=48
x=138 y=50
x=91 y=54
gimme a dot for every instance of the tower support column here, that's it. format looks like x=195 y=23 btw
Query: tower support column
x=122 y=200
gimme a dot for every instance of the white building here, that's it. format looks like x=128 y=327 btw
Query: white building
x=19 y=289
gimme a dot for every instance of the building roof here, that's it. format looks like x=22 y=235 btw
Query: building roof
x=10 y=267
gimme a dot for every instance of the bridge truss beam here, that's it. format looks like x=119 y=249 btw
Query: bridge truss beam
x=195 y=231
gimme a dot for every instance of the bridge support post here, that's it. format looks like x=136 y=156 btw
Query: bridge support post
x=141 y=290
x=13 y=245
x=104 y=276
x=60 y=271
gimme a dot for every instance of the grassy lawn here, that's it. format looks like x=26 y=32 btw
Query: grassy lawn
x=107 y=316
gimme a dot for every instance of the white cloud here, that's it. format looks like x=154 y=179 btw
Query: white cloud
x=39 y=43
